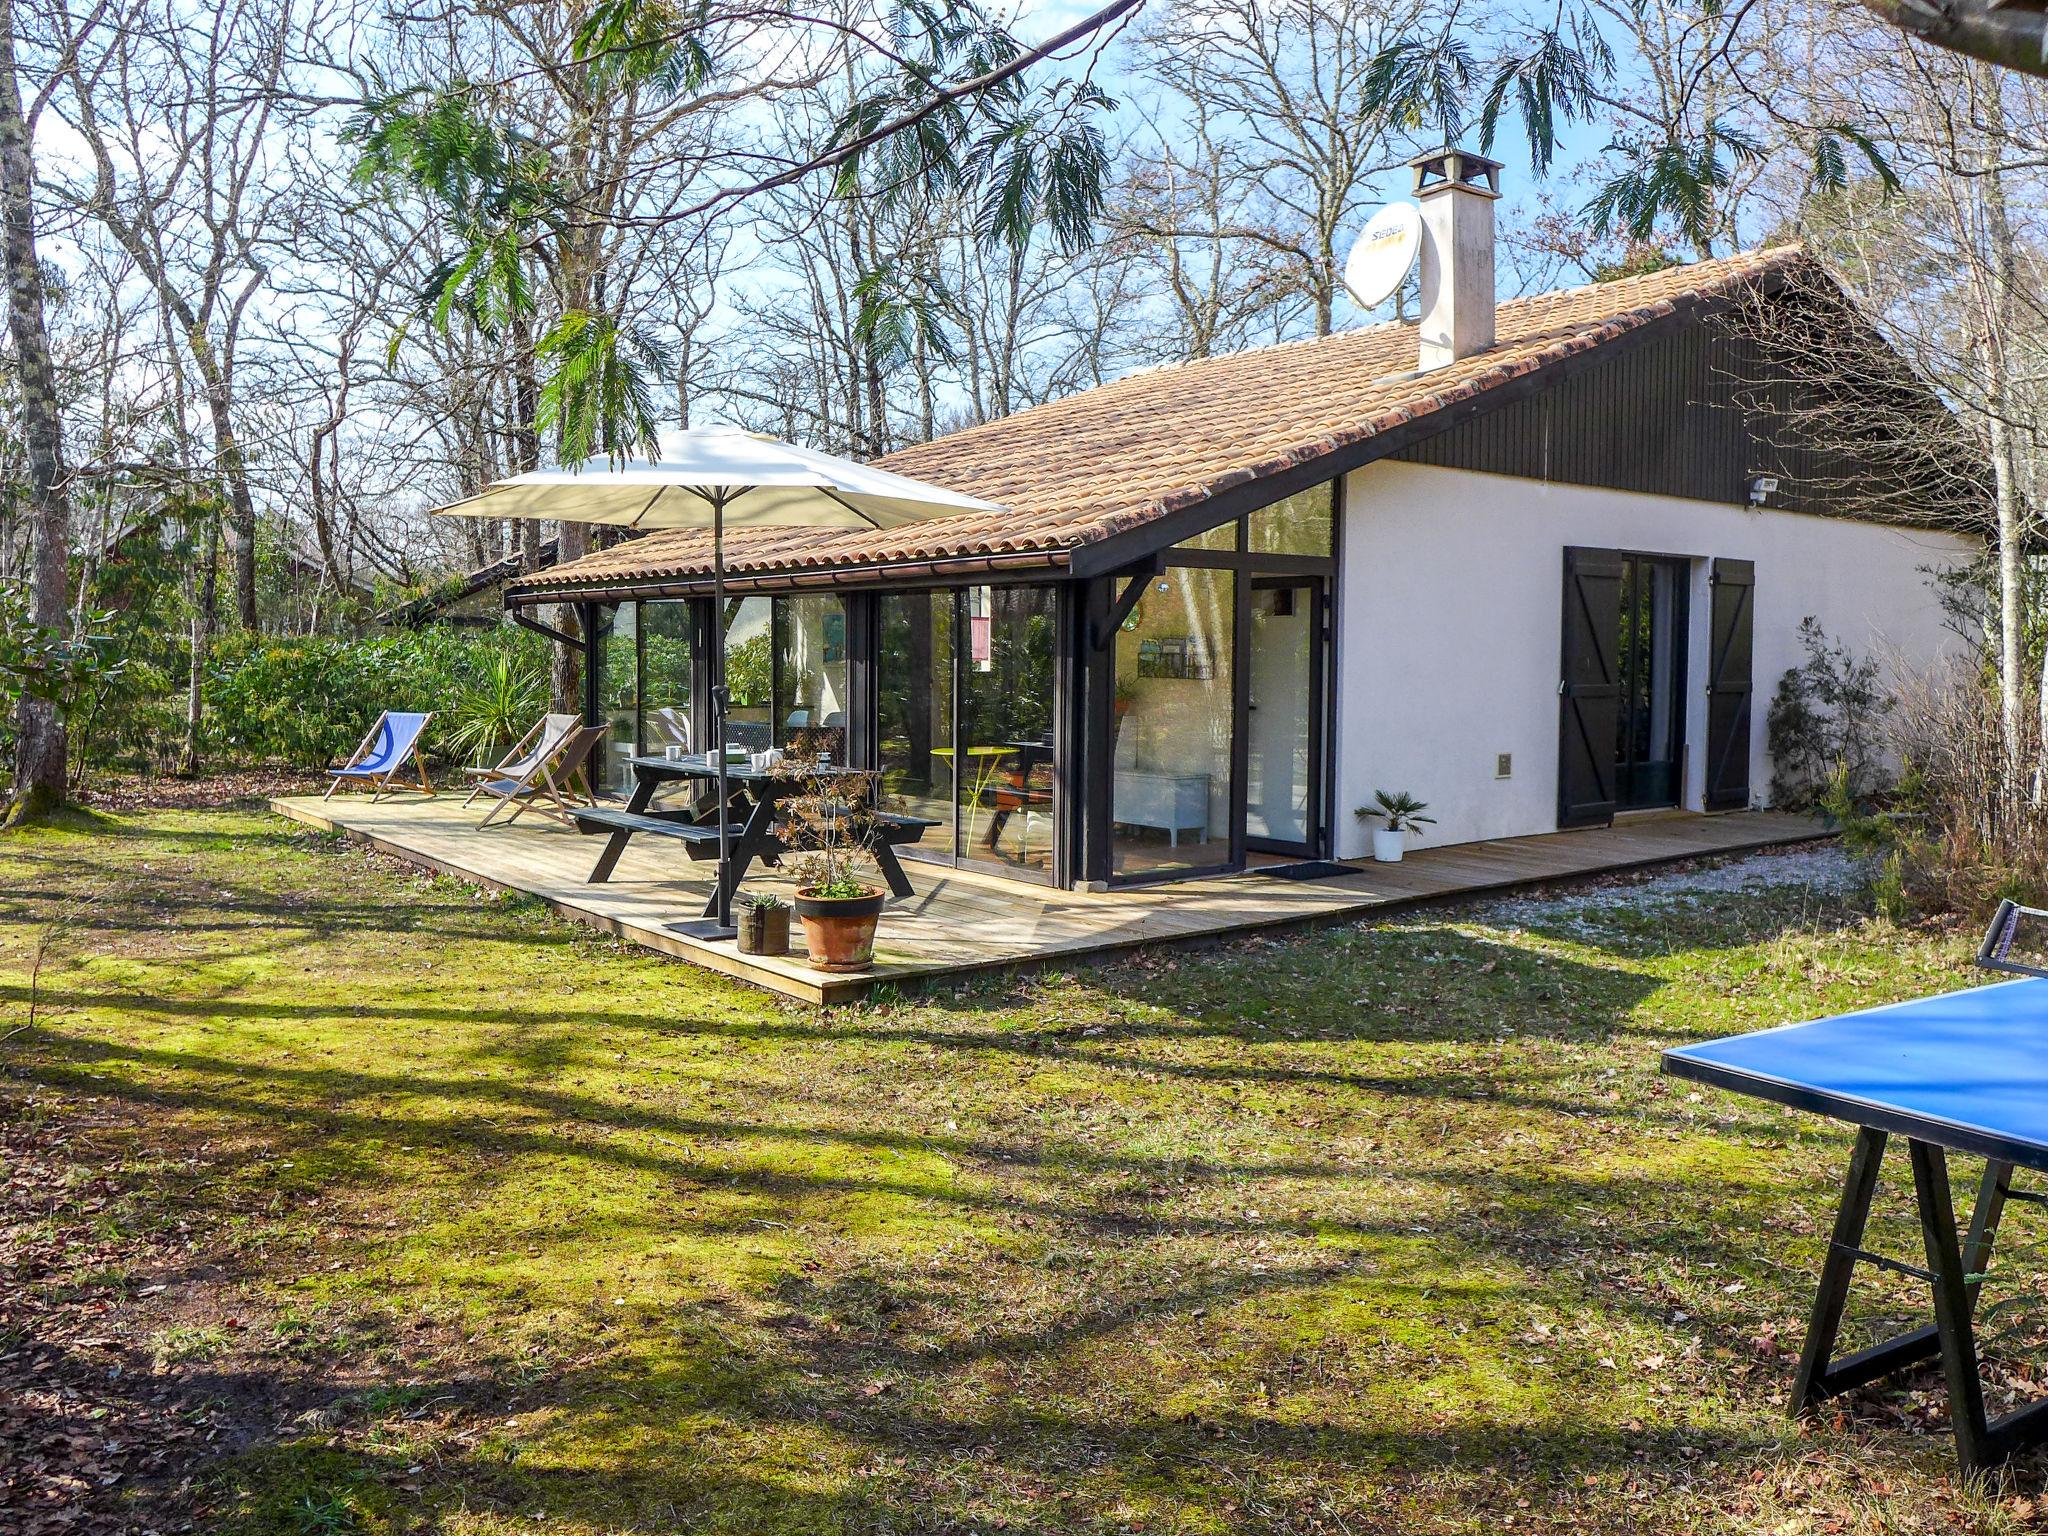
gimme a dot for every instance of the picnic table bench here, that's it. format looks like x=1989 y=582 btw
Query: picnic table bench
x=759 y=836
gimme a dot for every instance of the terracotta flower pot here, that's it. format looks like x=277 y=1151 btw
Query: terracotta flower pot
x=839 y=931
x=764 y=930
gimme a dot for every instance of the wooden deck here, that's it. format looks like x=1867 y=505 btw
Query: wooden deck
x=960 y=921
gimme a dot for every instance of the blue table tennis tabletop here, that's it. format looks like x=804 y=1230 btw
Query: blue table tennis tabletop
x=1965 y=1070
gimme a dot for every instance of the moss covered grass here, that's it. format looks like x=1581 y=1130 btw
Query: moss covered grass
x=1387 y=1228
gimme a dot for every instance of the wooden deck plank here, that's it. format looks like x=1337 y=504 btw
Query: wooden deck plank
x=961 y=921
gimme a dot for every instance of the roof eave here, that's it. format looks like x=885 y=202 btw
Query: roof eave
x=1052 y=563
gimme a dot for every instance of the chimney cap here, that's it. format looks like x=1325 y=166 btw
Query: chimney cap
x=1441 y=170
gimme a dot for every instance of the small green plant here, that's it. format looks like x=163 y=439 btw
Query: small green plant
x=1827 y=715
x=1888 y=888
x=760 y=901
x=335 y=1514
x=187 y=1343
x=1401 y=811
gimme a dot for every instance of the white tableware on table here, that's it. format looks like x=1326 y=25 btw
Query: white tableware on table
x=672 y=752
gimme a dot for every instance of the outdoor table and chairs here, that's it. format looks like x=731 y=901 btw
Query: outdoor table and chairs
x=759 y=796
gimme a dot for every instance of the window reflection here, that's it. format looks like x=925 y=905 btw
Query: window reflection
x=618 y=698
x=1297 y=525
x=665 y=642
x=1170 y=764
x=966 y=683
x=810 y=676
x=749 y=672
x=915 y=714
x=1006 y=704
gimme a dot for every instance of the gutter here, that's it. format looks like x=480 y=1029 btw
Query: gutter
x=1051 y=561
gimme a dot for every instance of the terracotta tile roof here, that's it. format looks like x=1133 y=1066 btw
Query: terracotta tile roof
x=1080 y=469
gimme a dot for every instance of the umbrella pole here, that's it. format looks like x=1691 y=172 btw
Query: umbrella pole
x=719 y=696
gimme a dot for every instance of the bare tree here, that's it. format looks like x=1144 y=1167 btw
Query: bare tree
x=39 y=776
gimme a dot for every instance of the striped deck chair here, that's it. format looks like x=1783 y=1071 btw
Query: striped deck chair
x=541 y=787
x=528 y=753
x=393 y=740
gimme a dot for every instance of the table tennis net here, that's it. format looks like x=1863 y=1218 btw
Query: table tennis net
x=2016 y=941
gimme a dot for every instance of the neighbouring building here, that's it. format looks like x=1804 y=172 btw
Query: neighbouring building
x=1548 y=580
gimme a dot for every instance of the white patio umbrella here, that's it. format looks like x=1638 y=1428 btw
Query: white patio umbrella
x=712 y=477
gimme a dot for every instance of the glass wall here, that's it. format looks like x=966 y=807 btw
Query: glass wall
x=1006 y=705
x=665 y=648
x=914 y=713
x=750 y=672
x=1170 y=765
x=618 y=698
x=966 y=686
x=1298 y=525
x=809 y=683
x=785 y=662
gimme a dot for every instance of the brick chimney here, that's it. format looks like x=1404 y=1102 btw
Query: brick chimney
x=1457 y=190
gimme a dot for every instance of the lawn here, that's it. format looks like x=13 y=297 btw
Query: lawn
x=393 y=1205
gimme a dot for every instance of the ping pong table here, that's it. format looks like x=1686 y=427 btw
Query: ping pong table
x=1965 y=1072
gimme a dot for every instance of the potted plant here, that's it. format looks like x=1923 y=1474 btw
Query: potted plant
x=1402 y=813
x=832 y=823
x=764 y=923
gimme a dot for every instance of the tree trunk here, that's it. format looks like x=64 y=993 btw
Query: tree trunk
x=205 y=598
x=40 y=749
x=2004 y=455
x=234 y=474
x=573 y=542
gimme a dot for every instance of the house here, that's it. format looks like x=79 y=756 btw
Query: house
x=1539 y=563
x=470 y=599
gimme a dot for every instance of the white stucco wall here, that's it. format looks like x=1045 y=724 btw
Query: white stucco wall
x=1450 y=611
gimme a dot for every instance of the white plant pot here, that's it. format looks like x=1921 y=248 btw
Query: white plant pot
x=1387 y=846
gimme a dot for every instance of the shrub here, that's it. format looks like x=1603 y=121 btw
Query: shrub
x=309 y=701
x=1828 y=714
x=1970 y=828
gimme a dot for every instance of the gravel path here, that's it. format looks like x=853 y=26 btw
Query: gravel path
x=1823 y=870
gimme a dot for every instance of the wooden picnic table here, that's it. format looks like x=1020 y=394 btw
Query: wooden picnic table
x=761 y=792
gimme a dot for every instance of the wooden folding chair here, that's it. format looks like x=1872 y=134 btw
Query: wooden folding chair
x=392 y=740
x=528 y=753
x=541 y=788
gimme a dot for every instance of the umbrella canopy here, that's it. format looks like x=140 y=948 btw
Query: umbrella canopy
x=712 y=477
x=757 y=481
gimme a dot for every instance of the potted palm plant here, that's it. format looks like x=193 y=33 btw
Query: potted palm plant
x=832 y=823
x=1402 y=813
x=764 y=923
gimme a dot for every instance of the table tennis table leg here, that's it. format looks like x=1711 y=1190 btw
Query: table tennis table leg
x=1817 y=1378
x=1821 y=1376
x=1954 y=1274
x=1952 y=1306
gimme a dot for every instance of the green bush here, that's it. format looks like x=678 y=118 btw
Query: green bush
x=308 y=702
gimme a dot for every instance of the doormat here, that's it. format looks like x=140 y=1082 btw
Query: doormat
x=1307 y=869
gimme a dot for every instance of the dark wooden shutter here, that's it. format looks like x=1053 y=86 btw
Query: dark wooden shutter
x=1730 y=688
x=1590 y=691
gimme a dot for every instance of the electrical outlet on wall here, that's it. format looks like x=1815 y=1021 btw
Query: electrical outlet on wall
x=1504 y=765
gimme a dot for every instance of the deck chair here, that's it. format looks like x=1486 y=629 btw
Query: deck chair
x=541 y=787
x=672 y=725
x=392 y=740
x=528 y=753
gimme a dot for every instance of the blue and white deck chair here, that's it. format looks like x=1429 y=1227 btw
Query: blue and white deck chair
x=392 y=740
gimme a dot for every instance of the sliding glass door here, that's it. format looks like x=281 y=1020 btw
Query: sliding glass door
x=1175 y=724
x=1283 y=715
x=965 y=681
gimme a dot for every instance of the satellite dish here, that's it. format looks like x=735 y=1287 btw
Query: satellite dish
x=1383 y=254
